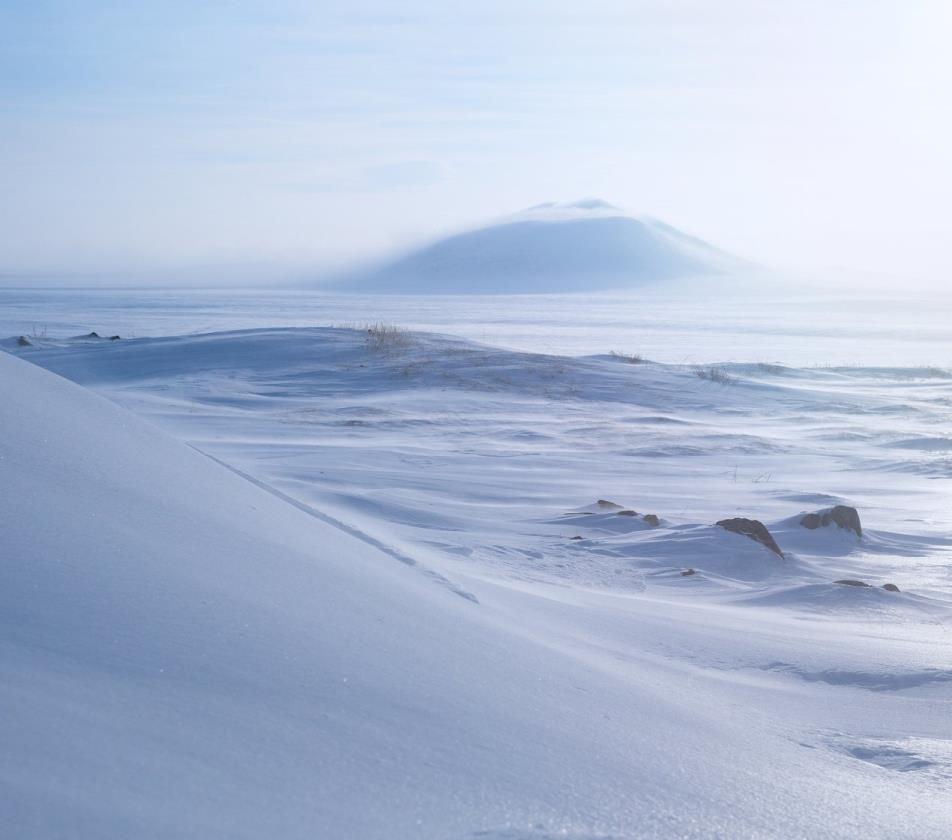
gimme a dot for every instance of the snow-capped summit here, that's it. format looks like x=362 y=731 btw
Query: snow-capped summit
x=565 y=210
x=576 y=246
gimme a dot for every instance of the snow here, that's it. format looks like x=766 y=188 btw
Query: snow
x=295 y=582
x=584 y=245
x=903 y=333
x=559 y=211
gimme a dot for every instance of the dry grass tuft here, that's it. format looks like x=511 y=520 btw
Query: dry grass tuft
x=628 y=358
x=715 y=374
x=382 y=336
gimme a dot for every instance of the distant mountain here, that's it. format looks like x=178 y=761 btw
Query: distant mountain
x=578 y=246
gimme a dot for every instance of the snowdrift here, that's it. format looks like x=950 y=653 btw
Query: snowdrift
x=188 y=653
x=580 y=246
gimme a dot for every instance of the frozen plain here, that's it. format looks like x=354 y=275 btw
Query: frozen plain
x=420 y=497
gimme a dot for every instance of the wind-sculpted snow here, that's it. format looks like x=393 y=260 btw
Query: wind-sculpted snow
x=278 y=648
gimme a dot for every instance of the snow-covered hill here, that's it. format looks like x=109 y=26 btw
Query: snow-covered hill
x=375 y=622
x=185 y=654
x=578 y=246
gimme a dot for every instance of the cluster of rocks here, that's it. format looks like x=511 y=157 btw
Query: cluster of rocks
x=846 y=518
x=23 y=341
x=889 y=587
x=650 y=518
x=841 y=516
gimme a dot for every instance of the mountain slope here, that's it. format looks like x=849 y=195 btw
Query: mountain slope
x=582 y=246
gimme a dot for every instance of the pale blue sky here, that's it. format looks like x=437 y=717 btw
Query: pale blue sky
x=161 y=134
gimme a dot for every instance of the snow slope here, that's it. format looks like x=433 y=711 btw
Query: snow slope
x=379 y=626
x=578 y=246
x=186 y=654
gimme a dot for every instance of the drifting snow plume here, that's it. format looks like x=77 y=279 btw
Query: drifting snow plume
x=554 y=247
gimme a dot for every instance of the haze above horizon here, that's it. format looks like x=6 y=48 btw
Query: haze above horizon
x=296 y=135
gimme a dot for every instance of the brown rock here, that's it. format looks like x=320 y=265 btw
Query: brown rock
x=842 y=516
x=752 y=529
x=812 y=521
x=847 y=518
x=890 y=587
x=652 y=520
x=627 y=513
x=850 y=582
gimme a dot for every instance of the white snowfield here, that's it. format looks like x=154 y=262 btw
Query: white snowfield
x=353 y=607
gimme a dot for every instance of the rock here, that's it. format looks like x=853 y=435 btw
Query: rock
x=752 y=529
x=604 y=503
x=93 y=335
x=847 y=518
x=842 y=516
x=688 y=572
x=850 y=582
x=576 y=537
x=23 y=341
x=627 y=513
x=890 y=587
x=652 y=520
x=812 y=521
x=114 y=338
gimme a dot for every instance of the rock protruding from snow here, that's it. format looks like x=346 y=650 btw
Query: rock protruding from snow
x=752 y=529
x=842 y=516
